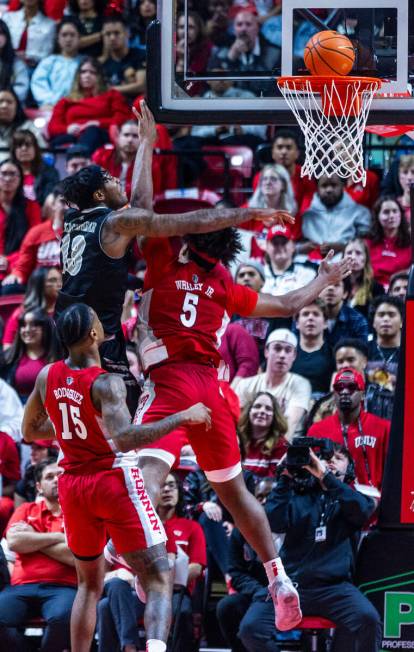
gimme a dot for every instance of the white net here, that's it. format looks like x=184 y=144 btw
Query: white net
x=332 y=114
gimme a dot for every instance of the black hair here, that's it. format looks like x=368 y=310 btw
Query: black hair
x=74 y=323
x=79 y=188
x=350 y=473
x=16 y=222
x=287 y=133
x=20 y=116
x=391 y=300
x=398 y=276
x=179 y=508
x=21 y=136
x=50 y=343
x=77 y=151
x=98 y=5
x=67 y=20
x=352 y=342
x=115 y=18
x=7 y=58
x=223 y=245
x=35 y=289
x=40 y=467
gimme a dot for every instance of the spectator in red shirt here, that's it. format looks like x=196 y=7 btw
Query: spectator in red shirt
x=41 y=292
x=364 y=434
x=239 y=351
x=366 y=195
x=17 y=214
x=119 y=159
x=40 y=246
x=44 y=576
x=189 y=538
x=389 y=241
x=87 y=113
x=262 y=429
x=10 y=473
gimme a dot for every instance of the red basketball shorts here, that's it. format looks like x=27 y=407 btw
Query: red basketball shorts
x=113 y=503
x=176 y=386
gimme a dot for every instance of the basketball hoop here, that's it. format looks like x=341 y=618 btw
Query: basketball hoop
x=332 y=113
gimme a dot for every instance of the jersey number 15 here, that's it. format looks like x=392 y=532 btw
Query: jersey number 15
x=71 y=422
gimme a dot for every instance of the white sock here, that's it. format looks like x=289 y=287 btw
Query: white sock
x=154 y=645
x=274 y=568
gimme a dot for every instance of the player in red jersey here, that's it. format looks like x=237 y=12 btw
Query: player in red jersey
x=101 y=489
x=189 y=297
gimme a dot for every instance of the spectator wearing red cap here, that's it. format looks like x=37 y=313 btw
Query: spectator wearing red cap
x=282 y=274
x=364 y=434
x=291 y=390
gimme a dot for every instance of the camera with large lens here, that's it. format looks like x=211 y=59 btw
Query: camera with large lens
x=298 y=453
x=298 y=456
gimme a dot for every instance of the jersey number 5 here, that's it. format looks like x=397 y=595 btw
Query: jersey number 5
x=71 y=421
x=189 y=313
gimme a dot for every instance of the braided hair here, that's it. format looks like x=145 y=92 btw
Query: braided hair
x=75 y=323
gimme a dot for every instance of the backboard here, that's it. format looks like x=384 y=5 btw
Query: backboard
x=228 y=76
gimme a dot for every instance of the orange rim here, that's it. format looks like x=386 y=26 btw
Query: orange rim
x=317 y=83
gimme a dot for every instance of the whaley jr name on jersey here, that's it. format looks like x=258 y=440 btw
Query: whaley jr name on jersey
x=194 y=287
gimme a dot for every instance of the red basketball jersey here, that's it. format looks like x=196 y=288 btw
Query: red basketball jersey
x=77 y=423
x=185 y=309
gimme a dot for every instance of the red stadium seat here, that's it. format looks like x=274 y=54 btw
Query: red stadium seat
x=314 y=624
x=8 y=304
x=179 y=205
x=240 y=170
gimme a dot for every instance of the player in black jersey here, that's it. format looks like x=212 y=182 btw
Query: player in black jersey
x=97 y=233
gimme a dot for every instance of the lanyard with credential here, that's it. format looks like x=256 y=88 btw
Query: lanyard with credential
x=364 y=450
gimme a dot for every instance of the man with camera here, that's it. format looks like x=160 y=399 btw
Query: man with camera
x=315 y=504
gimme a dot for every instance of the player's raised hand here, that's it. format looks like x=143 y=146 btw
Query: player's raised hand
x=198 y=413
x=333 y=273
x=146 y=123
x=270 y=216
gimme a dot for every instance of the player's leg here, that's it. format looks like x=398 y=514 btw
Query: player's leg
x=250 y=518
x=218 y=455
x=153 y=570
x=90 y=585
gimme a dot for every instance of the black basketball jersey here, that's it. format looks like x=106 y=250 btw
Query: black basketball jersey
x=89 y=275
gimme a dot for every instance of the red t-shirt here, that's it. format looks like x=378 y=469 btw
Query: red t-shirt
x=33 y=217
x=9 y=458
x=374 y=436
x=189 y=536
x=164 y=167
x=264 y=465
x=388 y=259
x=36 y=566
x=40 y=248
x=76 y=421
x=185 y=309
x=26 y=373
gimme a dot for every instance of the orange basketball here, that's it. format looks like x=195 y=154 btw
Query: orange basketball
x=329 y=53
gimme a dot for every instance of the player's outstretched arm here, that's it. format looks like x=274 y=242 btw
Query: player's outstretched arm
x=109 y=395
x=290 y=303
x=142 y=186
x=36 y=423
x=132 y=222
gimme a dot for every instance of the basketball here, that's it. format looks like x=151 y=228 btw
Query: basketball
x=329 y=53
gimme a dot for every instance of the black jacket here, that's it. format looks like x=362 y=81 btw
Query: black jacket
x=299 y=515
x=197 y=490
x=44 y=183
x=247 y=572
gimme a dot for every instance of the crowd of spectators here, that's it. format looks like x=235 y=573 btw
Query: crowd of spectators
x=329 y=372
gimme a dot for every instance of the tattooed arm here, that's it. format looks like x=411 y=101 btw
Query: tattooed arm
x=36 y=423
x=109 y=394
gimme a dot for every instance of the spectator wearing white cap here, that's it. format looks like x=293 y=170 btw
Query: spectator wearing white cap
x=291 y=391
x=282 y=274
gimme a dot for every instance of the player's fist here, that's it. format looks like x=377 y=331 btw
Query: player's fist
x=198 y=413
